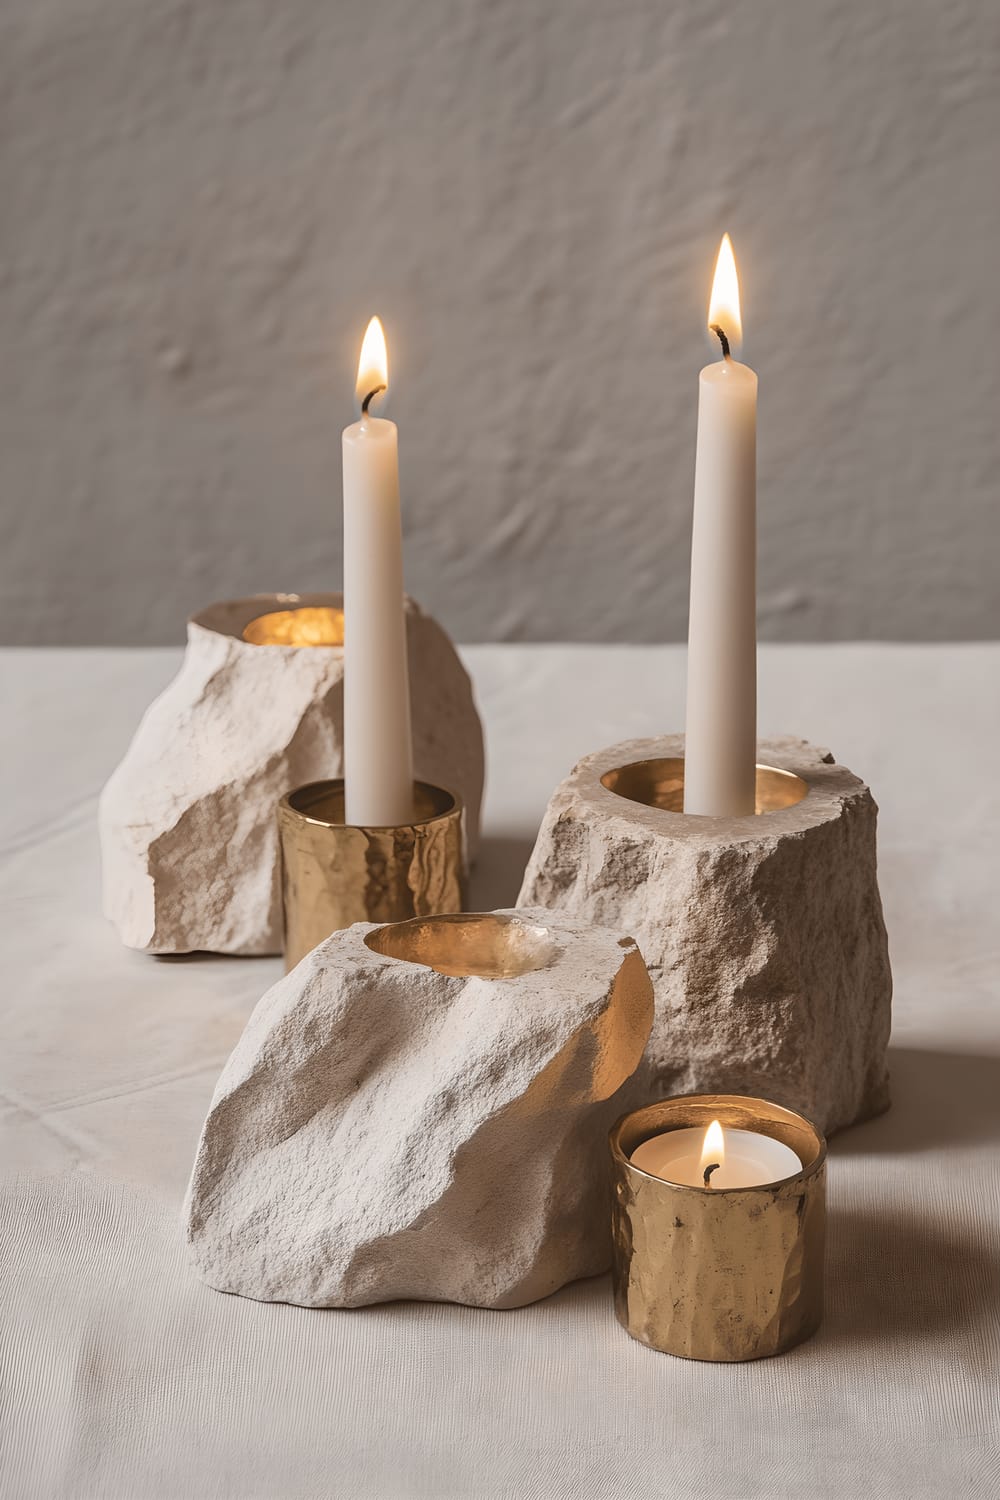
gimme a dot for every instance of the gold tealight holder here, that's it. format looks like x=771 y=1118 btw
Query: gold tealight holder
x=335 y=873
x=721 y=1274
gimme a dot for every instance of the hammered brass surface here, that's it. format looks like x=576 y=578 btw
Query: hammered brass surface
x=334 y=874
x=308 y=625
x=719 y=1274
x=660 y=783
x=488 y=945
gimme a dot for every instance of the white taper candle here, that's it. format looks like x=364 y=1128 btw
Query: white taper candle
x=721 y=730
x=378 y=756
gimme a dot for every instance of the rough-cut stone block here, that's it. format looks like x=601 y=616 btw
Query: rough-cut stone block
x=385 y=1129
x=763 y=935
x=189 y=838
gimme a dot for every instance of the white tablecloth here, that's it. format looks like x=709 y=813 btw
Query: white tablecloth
x=123 y=1376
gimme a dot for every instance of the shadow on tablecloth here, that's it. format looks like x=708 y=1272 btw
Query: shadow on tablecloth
x=939 y=1099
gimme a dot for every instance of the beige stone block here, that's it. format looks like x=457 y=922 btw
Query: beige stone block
x=188 y=829
x=432 y=1125
x=763 y=935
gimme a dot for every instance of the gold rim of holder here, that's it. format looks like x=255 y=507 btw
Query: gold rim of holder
x=660 y=783
x=724 y=1274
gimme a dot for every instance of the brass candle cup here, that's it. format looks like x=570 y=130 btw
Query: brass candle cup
x=720 y=1274
x=334 y=873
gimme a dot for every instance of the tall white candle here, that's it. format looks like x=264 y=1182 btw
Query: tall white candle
x=378 y=756
x=721 y=730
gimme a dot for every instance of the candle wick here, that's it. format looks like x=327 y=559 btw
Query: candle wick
x=721 y=335
x=713 y=1166
x=370 y=398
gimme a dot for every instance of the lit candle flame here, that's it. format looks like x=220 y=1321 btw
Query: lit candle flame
x=373 y=366
x=724 y=303
x=713 y=1152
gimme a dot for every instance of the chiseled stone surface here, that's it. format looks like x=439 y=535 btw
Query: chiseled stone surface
x=189 y=841
x=383 y=1131
x=763 y=935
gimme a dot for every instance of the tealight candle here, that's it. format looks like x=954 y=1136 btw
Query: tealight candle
x=716 y=1158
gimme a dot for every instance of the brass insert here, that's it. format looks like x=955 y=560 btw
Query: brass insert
x=482 y=944
x=660 y=783
x=309 y=625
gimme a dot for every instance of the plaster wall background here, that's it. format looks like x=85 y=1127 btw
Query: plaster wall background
x=202 y=202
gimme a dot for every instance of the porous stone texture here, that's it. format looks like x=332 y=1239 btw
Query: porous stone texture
x=385 y=1131
x=763 y=935
x=189 y=841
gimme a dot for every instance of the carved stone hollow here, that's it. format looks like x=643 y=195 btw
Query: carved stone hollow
x=189 y=841
x=719 y=1274
x=421 y=1111
x=763 y=934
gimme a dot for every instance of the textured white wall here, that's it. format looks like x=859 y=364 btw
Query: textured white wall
x=203 y=201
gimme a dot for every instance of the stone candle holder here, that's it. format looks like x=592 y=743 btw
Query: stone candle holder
x=421 y=1110
x=763 y=935
x=189 y=840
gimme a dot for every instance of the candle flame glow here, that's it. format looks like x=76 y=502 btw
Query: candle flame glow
x=373 y=366
x=714 y=1149
x=724 y=303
